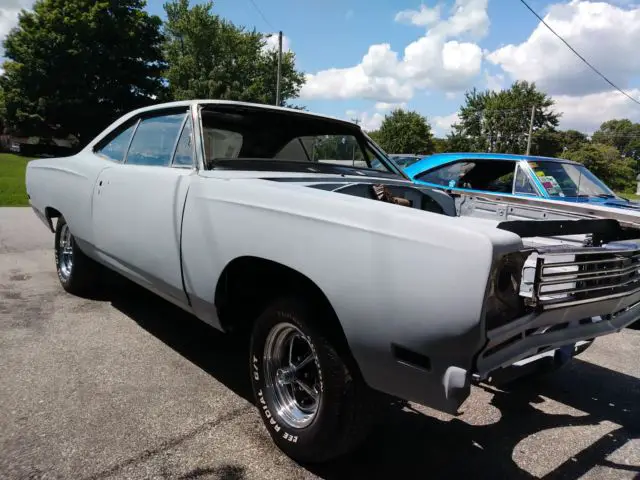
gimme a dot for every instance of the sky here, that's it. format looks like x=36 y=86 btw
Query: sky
x=364 y=58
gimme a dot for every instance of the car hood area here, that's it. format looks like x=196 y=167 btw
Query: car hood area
x=414 y=200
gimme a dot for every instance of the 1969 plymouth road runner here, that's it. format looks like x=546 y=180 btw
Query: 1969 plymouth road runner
x=355 y=283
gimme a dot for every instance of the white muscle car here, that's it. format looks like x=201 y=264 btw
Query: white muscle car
x=355 y=283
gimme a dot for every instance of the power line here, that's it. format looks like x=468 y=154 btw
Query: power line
x=262 y=14
x=578 y=55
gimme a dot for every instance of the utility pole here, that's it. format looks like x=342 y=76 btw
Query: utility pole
x=533 y=112
x=279 y=68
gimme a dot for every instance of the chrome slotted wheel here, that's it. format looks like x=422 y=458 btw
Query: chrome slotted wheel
x=65 y=252
x=292 y=375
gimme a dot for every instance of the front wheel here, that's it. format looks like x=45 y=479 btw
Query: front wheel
x=313 y=405
x=76 y=271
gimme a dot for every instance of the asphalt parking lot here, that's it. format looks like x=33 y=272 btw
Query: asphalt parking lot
x=127 y=386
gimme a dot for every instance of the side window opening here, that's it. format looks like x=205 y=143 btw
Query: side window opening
x=486 y=175
x=492 y=176
x=116 y=148
x=183 y=156
x=447 y=175
x=154 y=140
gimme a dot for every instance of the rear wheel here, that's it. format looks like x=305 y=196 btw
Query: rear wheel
x=76 y=271
x=314 y=406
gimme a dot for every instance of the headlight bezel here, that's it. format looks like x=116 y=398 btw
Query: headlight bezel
x=504 y=301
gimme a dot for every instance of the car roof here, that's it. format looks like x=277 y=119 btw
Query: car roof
x=188 y=103
x=261 y=106
x=437 y=159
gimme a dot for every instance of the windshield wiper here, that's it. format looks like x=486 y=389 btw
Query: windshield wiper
x=604 y=195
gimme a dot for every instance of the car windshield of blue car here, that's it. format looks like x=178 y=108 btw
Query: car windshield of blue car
x=404 y=161
x=568 y=180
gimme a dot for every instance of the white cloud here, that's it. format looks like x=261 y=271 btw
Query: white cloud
x=385 y=106
x=353 y=82
x=422 y=18
x=494 y=82
x=367 y=121
x=272 y=42
x=9 y=10
x=437 y=60
x=586 y=113
x=606 y=35
x=468 y=17
x=442 y=124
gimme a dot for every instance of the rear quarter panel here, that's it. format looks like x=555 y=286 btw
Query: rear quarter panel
x=66 y=185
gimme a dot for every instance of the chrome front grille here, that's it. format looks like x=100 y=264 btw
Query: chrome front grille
x=566 y=277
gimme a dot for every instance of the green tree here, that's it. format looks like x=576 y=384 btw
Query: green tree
x=375 y=136
x=622 y=134
x=549 y=142
x=499 y=121
x=209 y=57
x=405 y=132
x=572 y=139
x=75 y=65
x=546 y=142
x=336 y=147
x=606 y=162
x=458 y=141
x=440 y=145
x=3 y=111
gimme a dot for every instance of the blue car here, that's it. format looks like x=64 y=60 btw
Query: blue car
x=404 y=160
x=516 y=175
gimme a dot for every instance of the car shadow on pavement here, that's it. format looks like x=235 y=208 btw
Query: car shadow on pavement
x=410 y=444
x=224 y=356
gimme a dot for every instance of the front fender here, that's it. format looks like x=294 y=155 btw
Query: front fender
x=399 y=279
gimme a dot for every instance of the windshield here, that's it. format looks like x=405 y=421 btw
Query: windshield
x=569 y=180
x=404 y=161
x=289 y=140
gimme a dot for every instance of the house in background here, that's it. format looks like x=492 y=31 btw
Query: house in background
x=39 y=146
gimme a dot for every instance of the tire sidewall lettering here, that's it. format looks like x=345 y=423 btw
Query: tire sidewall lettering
x=270 y=420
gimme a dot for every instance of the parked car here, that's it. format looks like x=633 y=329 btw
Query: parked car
x=404 y=160
x=519 y=175
x=355 y=283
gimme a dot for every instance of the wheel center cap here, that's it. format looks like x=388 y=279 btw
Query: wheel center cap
x=285 y=376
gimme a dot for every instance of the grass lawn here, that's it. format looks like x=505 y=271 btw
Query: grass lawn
x=12 y=188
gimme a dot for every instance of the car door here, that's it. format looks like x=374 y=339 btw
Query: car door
x=138 y=203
